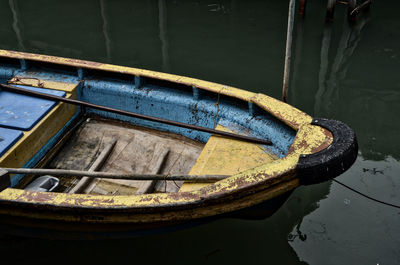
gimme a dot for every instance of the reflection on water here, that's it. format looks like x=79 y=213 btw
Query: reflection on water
x=349 y=73
x=231 y=42
x=15 y=27
x=105 y=29
x=357 y=82
x=162 y=12
x=330 y=79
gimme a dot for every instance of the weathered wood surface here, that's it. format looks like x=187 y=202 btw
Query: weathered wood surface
x=97 y=164
x=136 y=151
x=155 y=166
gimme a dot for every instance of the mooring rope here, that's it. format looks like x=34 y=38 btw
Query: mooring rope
x=366 y=196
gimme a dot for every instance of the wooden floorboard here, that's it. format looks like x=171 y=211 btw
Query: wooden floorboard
x=138 y=150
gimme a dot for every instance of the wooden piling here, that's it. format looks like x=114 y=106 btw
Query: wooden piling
x=364 y=7
x=351 y=16
x=330 y=10
x=288 y=54
x=302 y=8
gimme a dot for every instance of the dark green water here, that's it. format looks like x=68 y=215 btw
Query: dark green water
x=341 y=72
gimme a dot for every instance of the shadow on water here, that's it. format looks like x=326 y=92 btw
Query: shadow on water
x=349 y=73
x=218 y=242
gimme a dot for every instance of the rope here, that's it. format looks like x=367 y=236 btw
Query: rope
x=366 y=196
x=19 y=79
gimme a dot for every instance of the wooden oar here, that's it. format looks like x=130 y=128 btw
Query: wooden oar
x=134 y=115
x=109 y=175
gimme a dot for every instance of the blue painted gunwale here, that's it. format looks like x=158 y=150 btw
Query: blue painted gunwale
x=184 y=105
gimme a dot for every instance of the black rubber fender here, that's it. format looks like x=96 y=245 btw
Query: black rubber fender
x=333 y=160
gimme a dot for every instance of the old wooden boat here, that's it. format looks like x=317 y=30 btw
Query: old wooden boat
x=40 y=133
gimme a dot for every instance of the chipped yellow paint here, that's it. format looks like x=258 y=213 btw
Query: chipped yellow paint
x=229 y=185
x=309 y=138
x=286 y=113
x=224 y=156
x=139 y=218
x=32 y=141
x=261 y=176
x=261 y=173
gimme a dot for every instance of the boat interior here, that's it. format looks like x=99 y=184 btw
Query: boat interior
x=39 y=133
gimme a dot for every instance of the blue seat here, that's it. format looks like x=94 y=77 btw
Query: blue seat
x=8 y=138
x=23 y=112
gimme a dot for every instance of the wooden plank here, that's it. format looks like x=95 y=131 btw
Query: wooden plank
x=224 y=156
x=97 y=164
x=154 y=167
x=131 y=155
x=178 y=162
x=133 y=152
